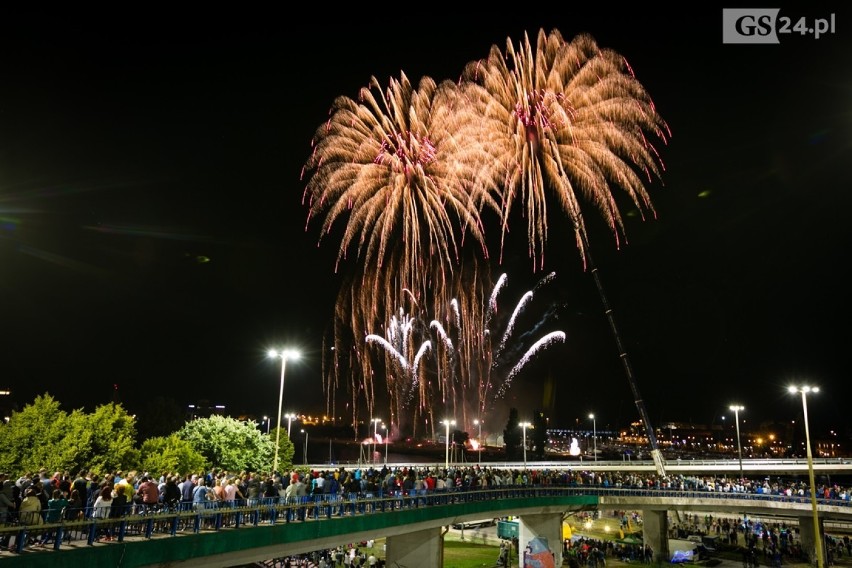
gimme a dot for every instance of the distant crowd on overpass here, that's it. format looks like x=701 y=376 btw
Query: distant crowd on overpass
x=40 y=497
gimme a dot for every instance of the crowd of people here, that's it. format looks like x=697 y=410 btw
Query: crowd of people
x=43 y=498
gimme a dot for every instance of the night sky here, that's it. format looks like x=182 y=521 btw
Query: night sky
x=153 y=236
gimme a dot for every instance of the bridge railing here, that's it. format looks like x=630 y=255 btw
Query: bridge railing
x=188 y=518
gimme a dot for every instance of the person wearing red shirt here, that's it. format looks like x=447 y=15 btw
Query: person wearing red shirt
x=148 y=492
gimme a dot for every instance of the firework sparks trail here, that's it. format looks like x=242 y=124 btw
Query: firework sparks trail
x=474 y=375
x=460 y=382
x=546 y=341
x=400 y=358
x=404 y=176
x=396 y=174
x=510 y=327
x=576 y=124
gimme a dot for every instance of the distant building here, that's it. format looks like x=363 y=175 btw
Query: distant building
x=204 y=409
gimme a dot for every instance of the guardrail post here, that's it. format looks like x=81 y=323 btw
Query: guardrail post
x=60 y=534
x=21 y=540
x=93 y=533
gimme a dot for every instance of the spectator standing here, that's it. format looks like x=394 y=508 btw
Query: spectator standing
x=30 y=510
x=148 y=493
x=171 y=495
x=103 y=507
x=7 y=497
x=56 y=506
x=187 y=487
x=74 y=510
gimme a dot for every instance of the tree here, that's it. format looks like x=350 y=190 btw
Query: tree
x=33 y=437
x=233 y=445
x=112 y=439
x=170 y=454
x=512 y=435
x=44 y=435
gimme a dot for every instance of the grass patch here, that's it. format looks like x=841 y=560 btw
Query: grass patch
x=467 y=555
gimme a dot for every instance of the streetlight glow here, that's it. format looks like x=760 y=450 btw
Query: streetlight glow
x=266 y=419
x=524 y=426
x=290 y=416
x=447 y=423
x=594 y=435
x=736 y=409
x=284 y=354
x=818 y=542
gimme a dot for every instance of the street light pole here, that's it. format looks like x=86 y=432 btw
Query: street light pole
x=447 y=423
x=818 y=542
x=290 y=417
x=305 y=453
x=284 y=354
x=524 y=426
x=594 y=436
x=266 y=419
x=736 y=408
x=478 y=422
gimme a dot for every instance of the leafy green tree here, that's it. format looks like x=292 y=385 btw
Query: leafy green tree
x=230 y=444
x=285 y=453
x=44 y=435
x=33 y=437
x=512 y=436
x=102 y=441
x=113 y=439
x=170 y=454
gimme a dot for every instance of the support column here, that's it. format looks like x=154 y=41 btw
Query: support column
x=806 y=537
x=540 y=535
x=655 y=533
x=420 y=549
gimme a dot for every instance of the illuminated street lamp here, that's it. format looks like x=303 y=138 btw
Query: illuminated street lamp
x=818 y=543
x=736 y=408
x=290 y=416
x=524 y=426
x=284 y=354
x=594 y=435
x=375 y=422
x=447 y=423
x=266 y=419
x=479 y=448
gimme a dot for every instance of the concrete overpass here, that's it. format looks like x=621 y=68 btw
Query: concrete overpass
x=414 y=526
